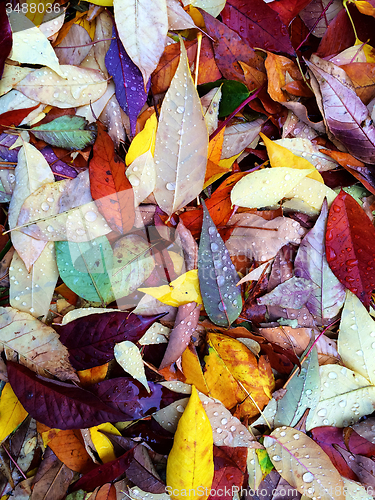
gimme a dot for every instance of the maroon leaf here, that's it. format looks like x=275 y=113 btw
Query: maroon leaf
x=350 y=246
x=258 y=24
x=90 y=340
x=128 y=396
x=104 y=473
x=363 y=467
x=58 y=404
x=6 y=36
x=152 y=433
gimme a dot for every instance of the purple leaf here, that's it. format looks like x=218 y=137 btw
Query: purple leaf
x=346 y=116
x=293 y=293
x=128 y=396
x=58 y=167
x=104 y=473
x=6 y=36
x=6 y=141
x=328 y=297
x=90 y=340
x=58 y=404
x=130 y=91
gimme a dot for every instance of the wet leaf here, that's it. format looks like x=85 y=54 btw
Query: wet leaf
x=190 y=463
x=130 y=87
x=90 y=339
x=217 y=276
x=350 y=240
x=109 y=187
x=69 y=132
x=181 y=158
x=128 y=356
x=86 y=267
x=53 y=477
x=327 y=299
x=6 y=42
x=301 y=462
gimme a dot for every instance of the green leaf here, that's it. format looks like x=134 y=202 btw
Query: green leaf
x=217 y=276
x=133 y=264
x=85 y=267
x=303 y=392
x=68 y=132
x=233 y=94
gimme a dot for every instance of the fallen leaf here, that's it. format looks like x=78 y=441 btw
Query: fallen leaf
x=53 y=477
x=190 y=463
x=36 y=344
x=109 y=187
x=181 y=158
x=68 y=132
x=142 y=29
x=128 y=356
x=349 y=229
x=12 y=412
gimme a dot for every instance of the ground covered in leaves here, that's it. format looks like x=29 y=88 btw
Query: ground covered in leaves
x=187 y=259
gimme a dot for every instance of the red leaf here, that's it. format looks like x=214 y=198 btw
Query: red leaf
x=104 y=473
x=90 y=340
x=350 y=246
x=258 y=24
x=288 y=9
x=58 y=404
x=110 y=188
x=6 y=36
x=15 y=117
x=230 y=469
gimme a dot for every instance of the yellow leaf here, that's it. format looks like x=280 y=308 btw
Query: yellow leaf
x=143 y=141
x=103 y=3
x=102 y=444
x=312 y=192
x=190 y=466
x=36 y=10
x=12 y=413
x=282 y=157
x=87 y=25
x=181 y=291
x=266 y=187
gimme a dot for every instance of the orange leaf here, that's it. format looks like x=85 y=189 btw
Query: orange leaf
x=68 y=446
x=279 y=68
x=362 y=76
x=110 y=188
x=106 y=492
x=93 y=375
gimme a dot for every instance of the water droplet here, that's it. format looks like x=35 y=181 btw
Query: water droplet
x=180 y=109
x=44 y=206
x=220 y=280
x=133 y=179
x=296 y=436
x=50 y=229
x=308 y=392
x=211 y=230
x=80 y=231
x=332 y=375
x=322 y=412
x=233 y=428
x=287 y=177
x=282 y=434
x=276 y=458
x=224 y=421
x=214 y=247
x=359 y=352
x=221 y=306
x=180 y=408
x=219 y=431
x=171 y=186
x=308 y=477
x=90 y=216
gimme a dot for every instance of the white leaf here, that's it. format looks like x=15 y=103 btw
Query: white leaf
x=63 y=211
x=142 y=176
x=266 y=187
x=210 y=104
x=75 y=87
x=30 y=46
x=178 y=19
x=31 y=173
x=36 y=343
x=213 y=7
x=356 y=342
x=181 y=142
x=346 y=396
x=142 y=27
x=128 y=356
x=11 y=76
